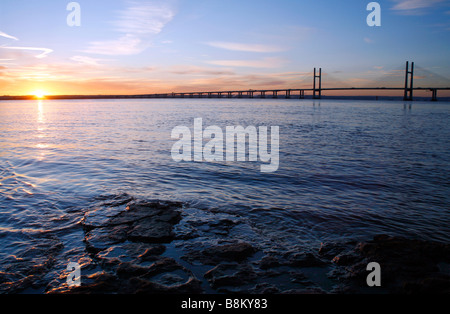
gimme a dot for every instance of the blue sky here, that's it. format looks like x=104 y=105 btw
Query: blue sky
x=193 y=45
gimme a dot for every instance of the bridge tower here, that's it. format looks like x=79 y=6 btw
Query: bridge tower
x=409 y=82
x=317 y=92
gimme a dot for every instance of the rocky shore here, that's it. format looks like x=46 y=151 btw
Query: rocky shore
x=149 y=247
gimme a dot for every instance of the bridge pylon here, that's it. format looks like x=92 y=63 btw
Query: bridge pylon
x=409 y=82
x=317 y=92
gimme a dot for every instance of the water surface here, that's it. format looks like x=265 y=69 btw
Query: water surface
x=348 y=169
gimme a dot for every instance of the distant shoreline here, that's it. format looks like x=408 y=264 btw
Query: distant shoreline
x=93 y=97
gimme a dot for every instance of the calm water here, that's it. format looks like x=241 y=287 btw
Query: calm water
x=348 y=169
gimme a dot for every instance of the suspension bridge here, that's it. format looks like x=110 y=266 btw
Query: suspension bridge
x=316 y=91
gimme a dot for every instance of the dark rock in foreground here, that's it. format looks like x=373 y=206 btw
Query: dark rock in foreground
x=407 y=266
x=131 y=251
x=141 y=222
x=234 y=252
x=127 y=246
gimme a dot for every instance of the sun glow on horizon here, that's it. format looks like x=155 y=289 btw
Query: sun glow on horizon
x=40 y=94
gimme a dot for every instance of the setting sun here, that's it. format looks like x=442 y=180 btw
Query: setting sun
x=39 y=94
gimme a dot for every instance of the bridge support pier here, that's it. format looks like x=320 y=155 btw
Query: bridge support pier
x=434 y=94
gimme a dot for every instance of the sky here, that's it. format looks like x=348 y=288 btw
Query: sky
x=159 y=46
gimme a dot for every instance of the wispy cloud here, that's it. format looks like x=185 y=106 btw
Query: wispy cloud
x=414 y=7
x=144 y=18
x=261 y=63
x=2 y=34
x=198 y=71
x=136 y=25
x=43 y=54
x=245 y=47
x=123 y=46
x=87 y=60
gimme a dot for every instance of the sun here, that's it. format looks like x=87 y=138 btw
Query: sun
x=39 y=94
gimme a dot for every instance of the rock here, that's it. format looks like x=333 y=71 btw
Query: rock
x=147 y=222
x=407 y=266
x=151 y=253
x=233 y=275
x=141 y=286
x=345 y=259
x=300 y=278
x=315 y=290
x=269 y=262
x=304 y=260
x=330 y=250
x=170 y=279
x=27 y=270
x=98 y=283
x=127 y=246
x=235 y=252
x=264 y=289
x=129 y=278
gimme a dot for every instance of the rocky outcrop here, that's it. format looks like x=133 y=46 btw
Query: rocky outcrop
x=145 y=222
x=128 y=246
x=155 y=247
x=407 y=266
x=214 y=255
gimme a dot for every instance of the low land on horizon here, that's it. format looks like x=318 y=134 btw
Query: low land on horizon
x=187 y=96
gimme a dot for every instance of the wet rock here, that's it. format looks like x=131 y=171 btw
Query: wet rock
x=236 y=251
x=151 y=232
x=314 y=290
x=233 y=275
x=142 y=286
x=162 y=277
x=127 y=247
x=268 y=262
x=213 y=255
x=27 y=270
x=408 y=266
x=345 y=259
x=300 y=278
x=215 y=226
x=264 y=289
x=151 y=253
x=148 y=222
x=170 y=279
x=331 y=250
x=304 y=260
x=98 y=283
